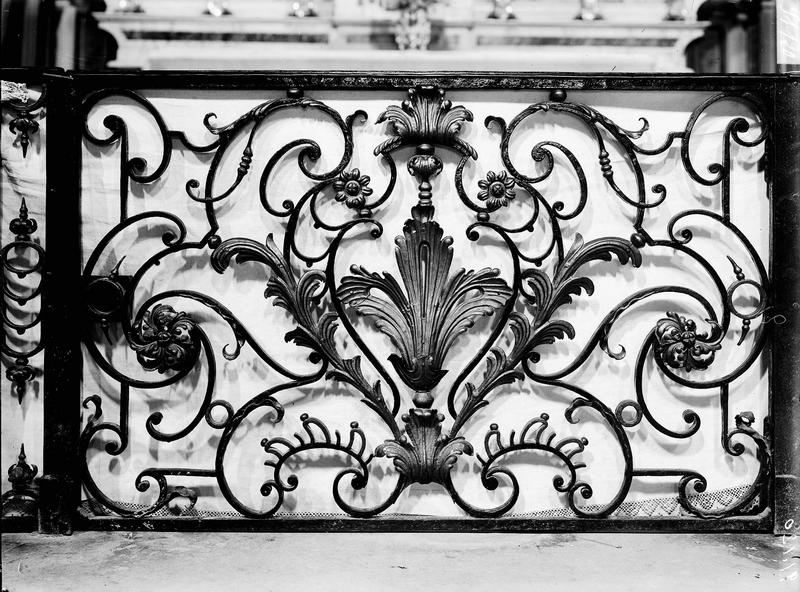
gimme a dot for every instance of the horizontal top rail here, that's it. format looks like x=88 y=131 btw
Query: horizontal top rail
x=376 y=80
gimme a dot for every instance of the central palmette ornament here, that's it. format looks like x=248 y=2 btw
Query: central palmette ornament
x=425 y=316
x=425 y=308
x=424 y=321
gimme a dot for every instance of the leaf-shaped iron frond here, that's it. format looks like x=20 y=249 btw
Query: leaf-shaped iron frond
x=301 y=298
x=426 y=117
x=424 y=322
x=423 y=456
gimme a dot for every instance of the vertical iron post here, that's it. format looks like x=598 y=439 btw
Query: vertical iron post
x=786 y=300
x=59 y=484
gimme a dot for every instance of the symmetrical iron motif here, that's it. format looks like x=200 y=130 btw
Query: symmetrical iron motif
x=425 y=311
x=20 y=258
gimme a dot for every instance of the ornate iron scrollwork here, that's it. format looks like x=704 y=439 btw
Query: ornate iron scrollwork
x=429 y=308
x=681 y=346
x=21 y=257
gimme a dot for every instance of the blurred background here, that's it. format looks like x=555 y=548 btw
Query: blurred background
x=711 y=36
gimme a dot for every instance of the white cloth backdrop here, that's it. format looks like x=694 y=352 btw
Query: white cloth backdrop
x=242 y=290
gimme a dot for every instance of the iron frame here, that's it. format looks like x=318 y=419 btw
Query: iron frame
x=61 y=332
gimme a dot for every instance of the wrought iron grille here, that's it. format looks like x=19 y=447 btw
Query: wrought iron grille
x=316 y=278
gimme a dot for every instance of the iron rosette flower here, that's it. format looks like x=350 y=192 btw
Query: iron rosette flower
x=164 y=339
x=352 y=188
x=680 y=346
x=496 y=190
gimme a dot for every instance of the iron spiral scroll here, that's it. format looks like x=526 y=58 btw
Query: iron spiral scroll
x=424 y=308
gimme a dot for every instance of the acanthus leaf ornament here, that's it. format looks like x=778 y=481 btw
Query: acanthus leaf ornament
x=422 y=455
x=423 y=322
x=426 y=310
x=426 y=117
x=164 y=339
x=682 y=347
x=301 y=299
x=544 y=296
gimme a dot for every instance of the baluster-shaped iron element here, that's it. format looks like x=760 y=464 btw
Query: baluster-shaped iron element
x=22 y=500
x=426 y=119
x=23 y=226
x=425 y=165
x=424 y=322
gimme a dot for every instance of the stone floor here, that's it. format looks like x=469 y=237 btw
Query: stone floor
x=234 y=562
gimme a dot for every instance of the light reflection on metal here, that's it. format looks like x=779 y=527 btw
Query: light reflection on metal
x=215 y=8
x=303 y=9
x=677 y=10
x=129 y=6
x=502 y=9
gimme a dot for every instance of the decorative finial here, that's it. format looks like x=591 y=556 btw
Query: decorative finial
x=24 y=126
x=22 y=500
x=21 y=474
x=18 y=374
x=23 y=226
